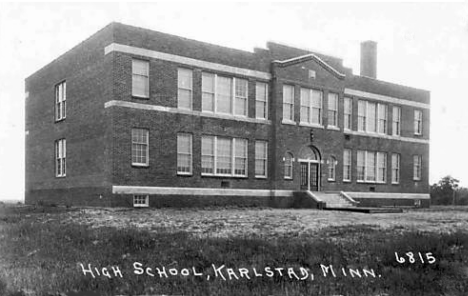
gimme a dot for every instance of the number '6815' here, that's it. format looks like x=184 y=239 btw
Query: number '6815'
x=411 y=257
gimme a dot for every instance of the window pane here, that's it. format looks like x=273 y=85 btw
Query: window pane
x=361 y=115
x=240 y=158
x=382 y=118
x=396 y=121
x=140 y=75
x=184 y=153
x=224 y=92
x=288 y=102
x=261 y=97
x=208 y=90
x=224 y=154
x=140 y=146
x=361 y=165
x=316 y=107
x=184 y=90
x=207 y=155
x=261 y=158
x=371 y=117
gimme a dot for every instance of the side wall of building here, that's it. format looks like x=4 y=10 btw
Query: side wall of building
x=86 y=73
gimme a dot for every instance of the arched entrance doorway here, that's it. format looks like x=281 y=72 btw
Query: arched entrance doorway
x=309 y=162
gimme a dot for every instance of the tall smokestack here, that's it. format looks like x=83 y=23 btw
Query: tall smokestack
x=369 y=59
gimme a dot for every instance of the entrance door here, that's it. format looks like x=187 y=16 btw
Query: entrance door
x=314 y=176
x=304 y=176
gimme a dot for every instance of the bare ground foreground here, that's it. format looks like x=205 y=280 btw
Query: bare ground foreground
x=219 y=222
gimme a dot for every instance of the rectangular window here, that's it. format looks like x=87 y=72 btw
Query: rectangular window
x=140 y=147
x=240 y=157
x=184 y=154
x=382 y=128
x=288 y=103
x=311 y=106
x=417 y=164
x=261 y=100
x=223 y=95
x=140 y=78
x=348 y=113
x=395 y=168
x=184 y=89
x=347 y=165
x=381 y=167
x=396 y=121
x=208 y=155
x=140 y=201
x=224 y=156
x=362 y=116
x=61 y=101
x=371 y=166
x=371 y=117
x=61 y=158
x=240 y=100
x=361 y=165
x=208 y=92
x=418 y=122
x=261 y=159
x=331 y=168
x=333 y=109
x=288 y=166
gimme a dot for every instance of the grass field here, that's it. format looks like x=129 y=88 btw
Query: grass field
x=46 y=251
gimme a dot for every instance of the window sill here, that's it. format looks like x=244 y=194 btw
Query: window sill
x=289 y=122
x=140 y=97
x=346 y=181
x=261 y=177
x=140 y=206
x=140 y=165
x=334 y=128
x=331 y=180
x=184 y=174
x=60 y=177
x=60 y=120
x=395 y=183
x=223 y=176
x=371 y=182
x=288 y=178
x=311 y=125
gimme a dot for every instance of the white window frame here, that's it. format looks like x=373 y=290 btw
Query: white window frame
x=308 y=104
x=146 y=131
x=347 y=162
x=233 y=96
x=331 y=162
x=261 y=99
x=233 y=156
x=381 y=160
x=333 y=113
x=288 y=166
x=258 y=158
x=288 y=105
x=372 y=124
x=348 y=114
x=140 y=201
x=145 y=76
x=417 y=167
x=396 y=121
x=418 y=122
x=361 y=153
x=208 y=92
x=183 y=88
x=61 y=101
x=61 y=158
x=188 y=136
x=396 y=168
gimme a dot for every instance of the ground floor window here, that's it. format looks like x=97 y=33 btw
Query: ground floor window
x=224 y=156
x=417 y=164
x=140 y=147
x=288 y=166
x=395 y=168
x=261 y=159
x=347 y=165
x=331 y=168
x=61 y=158
x=371 y=166
x=140 y=201
x=184 y=154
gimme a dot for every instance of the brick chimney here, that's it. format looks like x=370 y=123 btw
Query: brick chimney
x=369 y=59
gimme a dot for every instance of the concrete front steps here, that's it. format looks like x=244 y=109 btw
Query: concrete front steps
x=334 y=199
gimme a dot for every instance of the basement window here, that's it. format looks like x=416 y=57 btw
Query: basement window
x=140 y=201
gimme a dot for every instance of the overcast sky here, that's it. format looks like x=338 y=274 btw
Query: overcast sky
x=420 y=45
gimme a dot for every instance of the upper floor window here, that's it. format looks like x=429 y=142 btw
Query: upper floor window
x=418 y=122
x=333 y=109
x=417 y=165
x=184 y=89
x=372 y=117
x=61 y=101
x=331 y=168
x=396 y=122
x=347 y=165
x=261 y=159
x=224 y=156
x=224 y=95
x=395 y=168
x=288 y=102
x=61 y=158
x=140 y=78
x=288 y=166
x=184 y=154
x=348 y=113
x=311 y=106
x=261 y=100
x=140 y=147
